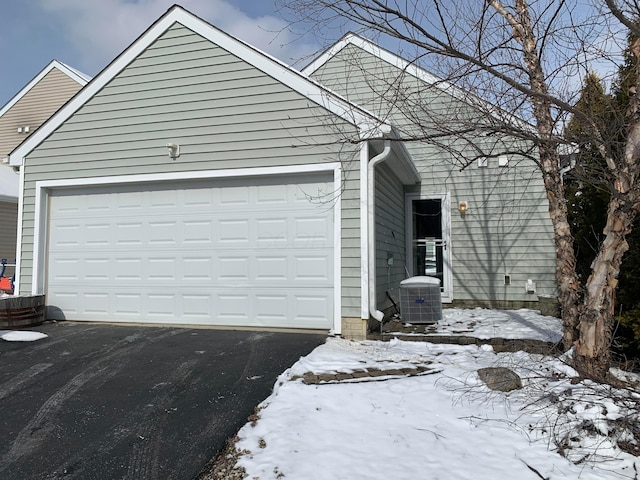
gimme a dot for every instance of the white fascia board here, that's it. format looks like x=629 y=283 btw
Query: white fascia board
x=415 y=71
x=77 y=75
x=70 y=72
x=368 y=125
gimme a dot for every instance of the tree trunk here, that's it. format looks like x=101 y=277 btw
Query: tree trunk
x=568 y=282
x=593 y=355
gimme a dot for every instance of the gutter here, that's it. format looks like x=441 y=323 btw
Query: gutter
x=371 y=228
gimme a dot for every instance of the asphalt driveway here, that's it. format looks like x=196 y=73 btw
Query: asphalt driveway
x=118 y=402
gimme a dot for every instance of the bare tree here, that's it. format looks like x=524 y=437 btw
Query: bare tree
x=524 y=58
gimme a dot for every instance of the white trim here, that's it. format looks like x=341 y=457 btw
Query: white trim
x=375 y=50
x=418 y=72
x=337 y=250
x=76 y=75
x=39 y=240
x=16 y=284
x=190 y=175
x=68 y=71
x=364 y=232
x=368 y=124
x=445 y=198
x=45 y=186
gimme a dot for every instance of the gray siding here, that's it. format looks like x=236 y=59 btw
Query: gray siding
x=507 y=227
x=390 y=235
x=351 y=252
x=224 y=114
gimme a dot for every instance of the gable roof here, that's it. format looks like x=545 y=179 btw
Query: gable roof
x=368 y=125
x=376 y=50
x=72 y=73
x=412 y=69
x=9 y=180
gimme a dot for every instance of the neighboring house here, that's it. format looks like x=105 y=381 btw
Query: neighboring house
x=197 y=180
x=19 y=118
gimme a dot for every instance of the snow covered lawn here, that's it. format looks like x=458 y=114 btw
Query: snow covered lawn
x=443 y=423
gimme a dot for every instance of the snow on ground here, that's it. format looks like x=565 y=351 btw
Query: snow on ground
x=511 y=324
x=444 y=424
x=21 y=336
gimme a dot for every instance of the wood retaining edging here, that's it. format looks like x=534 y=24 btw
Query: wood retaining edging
x=499 y=344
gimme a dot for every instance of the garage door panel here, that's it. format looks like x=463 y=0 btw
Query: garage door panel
x=271 y=231
x=68 y=236
x=311 y=309
x=96 y=235
x=233 y=231
x=312 y=268
x=311 y=230
x=161 y=268
x=231 y=268
x=197 y=232
x=198 y=269
x=162 y=232
x=232 y=308
x=97 y=269
x=96 y=303
x=271 y=269
x=234 y=253
x=234 y=196
x=127 y=304
x=128 y=269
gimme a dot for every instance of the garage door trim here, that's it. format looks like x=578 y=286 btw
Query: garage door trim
x=43 y=189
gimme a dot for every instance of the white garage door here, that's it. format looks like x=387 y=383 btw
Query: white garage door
x=254 y=252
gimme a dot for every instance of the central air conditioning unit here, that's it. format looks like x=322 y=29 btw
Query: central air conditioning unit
x=420 y=300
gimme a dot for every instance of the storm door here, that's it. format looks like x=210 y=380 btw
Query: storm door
x=428 y=239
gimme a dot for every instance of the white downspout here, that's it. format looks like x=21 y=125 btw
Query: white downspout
x=371 y=228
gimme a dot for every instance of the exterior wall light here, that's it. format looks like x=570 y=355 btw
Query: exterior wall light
x=174 y=150
x=462 y=207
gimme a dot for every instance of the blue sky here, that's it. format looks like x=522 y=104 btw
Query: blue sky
x=88 y=34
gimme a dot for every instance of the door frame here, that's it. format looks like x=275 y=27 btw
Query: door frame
x=445 y=199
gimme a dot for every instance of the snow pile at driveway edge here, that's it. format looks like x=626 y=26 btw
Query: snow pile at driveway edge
x=21 y=336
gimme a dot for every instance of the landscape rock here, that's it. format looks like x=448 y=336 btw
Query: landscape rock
x=500 y=378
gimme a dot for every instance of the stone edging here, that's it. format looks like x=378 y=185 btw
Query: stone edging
x=499 y=344
x=310 y=378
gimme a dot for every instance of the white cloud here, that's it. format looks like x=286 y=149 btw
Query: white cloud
x=101 y=30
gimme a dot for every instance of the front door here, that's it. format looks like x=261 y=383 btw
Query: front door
x=429 y=239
